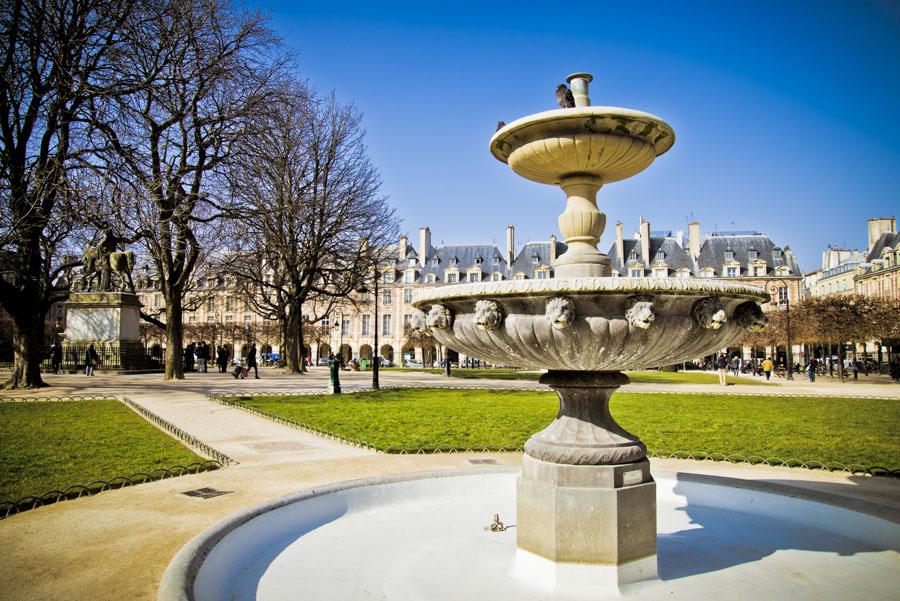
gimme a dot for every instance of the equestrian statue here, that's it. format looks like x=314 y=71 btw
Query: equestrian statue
x=101 y=261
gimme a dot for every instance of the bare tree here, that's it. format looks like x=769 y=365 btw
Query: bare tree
x=199 y=70
x=313 y=223
x=53 y=52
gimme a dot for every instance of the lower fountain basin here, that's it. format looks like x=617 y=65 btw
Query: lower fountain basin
x=426 y=536
x=591 y=324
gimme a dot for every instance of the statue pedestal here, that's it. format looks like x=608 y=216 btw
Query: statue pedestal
x=102 y=317
x=109 y=321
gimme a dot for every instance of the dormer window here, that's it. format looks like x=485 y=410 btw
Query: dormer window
x=535 y=259
x=776 y=253
x=632 y=256
x=660 y=255
x=479 y=260
x=497 y=260
x=754 y=254
x=412 y=261
x=454 y=260
x=729 y=255
x=435 y=261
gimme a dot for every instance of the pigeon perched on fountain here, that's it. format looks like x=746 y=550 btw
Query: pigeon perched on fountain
x=500 y=125
x=564 y=97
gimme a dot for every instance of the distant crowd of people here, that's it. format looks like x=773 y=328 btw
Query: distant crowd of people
x=814 y=366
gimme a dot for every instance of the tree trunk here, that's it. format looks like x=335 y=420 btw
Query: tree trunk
x=28 y=342
x=174 y=339
x=293 y=334
x=841 y=361
x=302 y=345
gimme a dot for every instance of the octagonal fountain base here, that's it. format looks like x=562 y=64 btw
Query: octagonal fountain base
x=427 y=536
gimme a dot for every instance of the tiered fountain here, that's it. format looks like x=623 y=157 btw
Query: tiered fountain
x=584 y=506
x=586 y=502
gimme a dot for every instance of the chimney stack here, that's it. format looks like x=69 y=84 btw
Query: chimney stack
x=424 y=244
x=620 y=245
x=879 y=226
x=510 y=244
x=694 y=239
x=552 y=248
x=645 y=242
x=404 y=248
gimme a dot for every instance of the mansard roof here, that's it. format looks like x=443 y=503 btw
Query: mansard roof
x=523 y=261
x=466 y=256
x=675 y=256
x=712 y=253
x=887 y=240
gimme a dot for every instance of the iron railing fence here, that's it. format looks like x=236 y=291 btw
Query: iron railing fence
x=111 y=357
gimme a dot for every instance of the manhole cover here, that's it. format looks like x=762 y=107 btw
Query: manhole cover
x=206 y=493
x=483 y=461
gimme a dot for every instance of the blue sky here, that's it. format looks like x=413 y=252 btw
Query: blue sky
x=785 y=113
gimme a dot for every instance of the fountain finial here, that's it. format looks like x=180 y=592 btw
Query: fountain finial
x=579 y=83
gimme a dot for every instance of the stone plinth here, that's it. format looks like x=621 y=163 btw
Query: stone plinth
x=102 y=317
x=109 y=321
x=586 y=503
x=603 y=515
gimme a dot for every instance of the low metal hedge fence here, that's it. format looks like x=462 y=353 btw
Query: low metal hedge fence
x=234 y=399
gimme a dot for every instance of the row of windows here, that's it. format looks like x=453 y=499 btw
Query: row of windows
x=366 y=324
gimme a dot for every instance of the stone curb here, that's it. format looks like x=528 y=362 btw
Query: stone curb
x=178 y=579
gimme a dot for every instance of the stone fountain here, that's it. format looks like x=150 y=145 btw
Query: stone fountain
x=584 y=505
x=586 y=502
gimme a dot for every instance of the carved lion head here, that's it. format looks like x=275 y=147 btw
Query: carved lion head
x=749 y=315
x=439 y=317
x=561 y=312
x=641 y=312
x=709 y=313
x=418 y=322
x=488 y=314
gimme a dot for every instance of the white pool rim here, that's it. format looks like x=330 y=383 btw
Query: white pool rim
x=874 y=523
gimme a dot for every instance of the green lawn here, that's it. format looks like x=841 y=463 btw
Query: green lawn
x=636 y=377
x=48 y=446
x=857 y=431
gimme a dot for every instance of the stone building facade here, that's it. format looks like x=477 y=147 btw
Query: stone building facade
x=749 y=257
x=349 y=328
x=873 y=272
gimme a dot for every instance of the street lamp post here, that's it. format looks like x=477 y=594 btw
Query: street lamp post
x=774 y=289
x=363 y=290
x=375 y=384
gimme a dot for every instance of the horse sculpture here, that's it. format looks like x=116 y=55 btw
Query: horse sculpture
x=100 y=264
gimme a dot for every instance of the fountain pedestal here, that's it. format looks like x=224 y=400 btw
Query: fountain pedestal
x=586 y=503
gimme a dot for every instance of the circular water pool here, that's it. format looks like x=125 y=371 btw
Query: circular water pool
x=427 y=537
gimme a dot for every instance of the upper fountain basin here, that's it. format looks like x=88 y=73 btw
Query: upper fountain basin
x=603 y=141
x=593 y=324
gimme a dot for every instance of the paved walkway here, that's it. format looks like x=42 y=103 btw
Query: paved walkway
x=116 y=545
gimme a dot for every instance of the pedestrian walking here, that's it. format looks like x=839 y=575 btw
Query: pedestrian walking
x=90 y=361
x=811 y=369
x=222 y=358
x=767 y=367
x=736 y=365
x=251 y=360
x=722 y=365
x=202 y=356
x=56 y=357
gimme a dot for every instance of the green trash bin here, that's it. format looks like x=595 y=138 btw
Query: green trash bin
x=363 y=364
